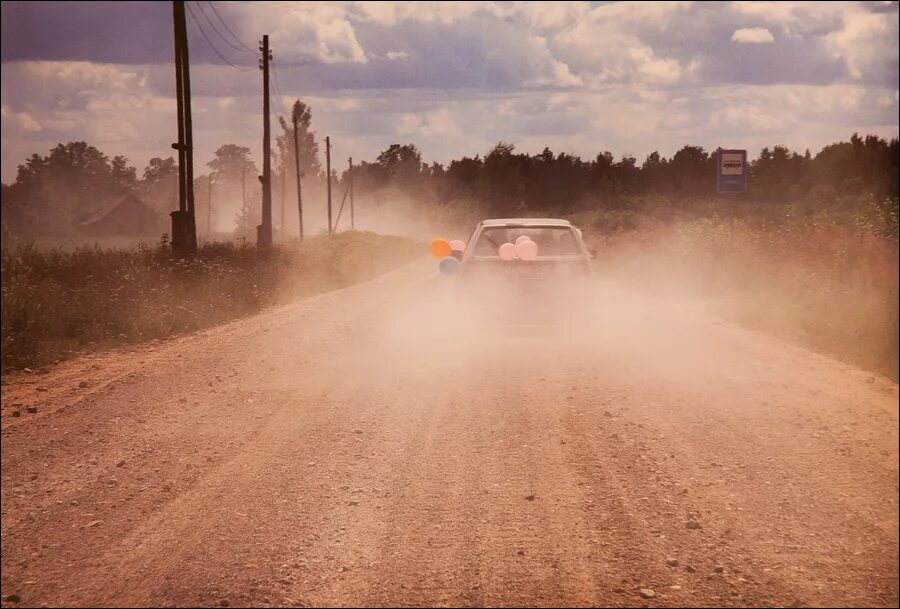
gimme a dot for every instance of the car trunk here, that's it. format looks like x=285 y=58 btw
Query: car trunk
x=523 y=291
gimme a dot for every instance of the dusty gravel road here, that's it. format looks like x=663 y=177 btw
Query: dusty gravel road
x=351 y=449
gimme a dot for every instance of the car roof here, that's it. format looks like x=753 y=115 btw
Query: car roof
x=525 y=222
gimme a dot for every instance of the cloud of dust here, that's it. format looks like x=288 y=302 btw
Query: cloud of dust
x=446 y=327
x=656 y=307
x=394 y=212
x=826 y=288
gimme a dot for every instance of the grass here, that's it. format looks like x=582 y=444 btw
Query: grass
x=59 y=303
x=825 y=278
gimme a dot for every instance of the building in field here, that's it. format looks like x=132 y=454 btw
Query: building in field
x=126 y=216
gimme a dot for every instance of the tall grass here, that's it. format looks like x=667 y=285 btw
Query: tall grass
x=826 y=278
x=58 y=303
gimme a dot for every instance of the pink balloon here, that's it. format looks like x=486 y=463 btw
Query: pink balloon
x=507 y=251
x=527 y=250
x=522 y=238
x=458 y=246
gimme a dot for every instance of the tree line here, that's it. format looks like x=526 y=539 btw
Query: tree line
x=505 y=182
x=53 y=193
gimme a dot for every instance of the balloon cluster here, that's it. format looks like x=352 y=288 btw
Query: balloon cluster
x=523 y=249
x=449 y=253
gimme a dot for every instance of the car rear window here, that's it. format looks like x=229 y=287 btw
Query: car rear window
x=551 y=240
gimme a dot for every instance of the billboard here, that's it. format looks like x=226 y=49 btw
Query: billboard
x=731 y=171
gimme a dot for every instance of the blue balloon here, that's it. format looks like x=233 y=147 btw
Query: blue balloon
x=448 y=266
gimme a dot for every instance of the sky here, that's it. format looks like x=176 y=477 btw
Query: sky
x=454 y=78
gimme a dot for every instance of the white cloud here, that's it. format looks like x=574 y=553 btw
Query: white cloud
x=23 y=121
x=390 y=13
x=454 y=78
x=308 y=31
x=775 y=11
x=756 y=35
x=860 y=41
x=441 y=122
x=409 y=124
x=655 y=70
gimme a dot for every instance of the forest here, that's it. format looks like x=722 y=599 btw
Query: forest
x=55 y=193
x=810 y=251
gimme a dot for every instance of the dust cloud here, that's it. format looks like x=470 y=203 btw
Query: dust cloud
x=435 y=331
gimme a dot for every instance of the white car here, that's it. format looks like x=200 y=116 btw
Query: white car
x=525 y=284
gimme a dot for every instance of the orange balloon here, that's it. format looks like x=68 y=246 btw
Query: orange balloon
x=440 y=248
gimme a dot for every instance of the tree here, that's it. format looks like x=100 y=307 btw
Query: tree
x=77 y=182
x=122 y=174
x=654 y=173
x=159 y=184
x=691 y=172
x=604 y=180
x=463 y=174
x=502 y=180
x=627 y=174
x=401 y=167
x=401 y=161
x=235 y=178
x=53 y=194
x=776 y=173
x=308 y=148
x=231 y=162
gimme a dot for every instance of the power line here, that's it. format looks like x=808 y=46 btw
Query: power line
x=224 y=23
x=209 y=42
x=220 y=35
x=279 y=91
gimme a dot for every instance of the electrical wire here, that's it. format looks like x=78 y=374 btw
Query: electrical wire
x=220 y=35
x=279 y=91
x=209 y=42
x=279 y=94
x=233 y=35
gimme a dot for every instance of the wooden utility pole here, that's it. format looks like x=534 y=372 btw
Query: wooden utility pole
x=352 y=213
x=328 y=177
x=264 y=232
x=178 y=14
x=184 y=230
x=297 y=168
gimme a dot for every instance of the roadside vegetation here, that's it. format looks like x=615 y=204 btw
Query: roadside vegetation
x=810 y=251
x=827 y=278
x=59 y=303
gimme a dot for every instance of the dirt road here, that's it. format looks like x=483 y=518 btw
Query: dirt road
x=356 y=449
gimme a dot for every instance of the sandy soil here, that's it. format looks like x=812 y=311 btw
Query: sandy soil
x=360 y=448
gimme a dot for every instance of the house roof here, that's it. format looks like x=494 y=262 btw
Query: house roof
x=126 y=199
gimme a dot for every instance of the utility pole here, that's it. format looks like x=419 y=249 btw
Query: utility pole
x=264 y=232
x=350 y=177
x=297 y=168
x=178 y=15
x=184 y=230
x=328 y=176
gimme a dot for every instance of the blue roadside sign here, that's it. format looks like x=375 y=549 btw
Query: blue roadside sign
x=731 y=171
